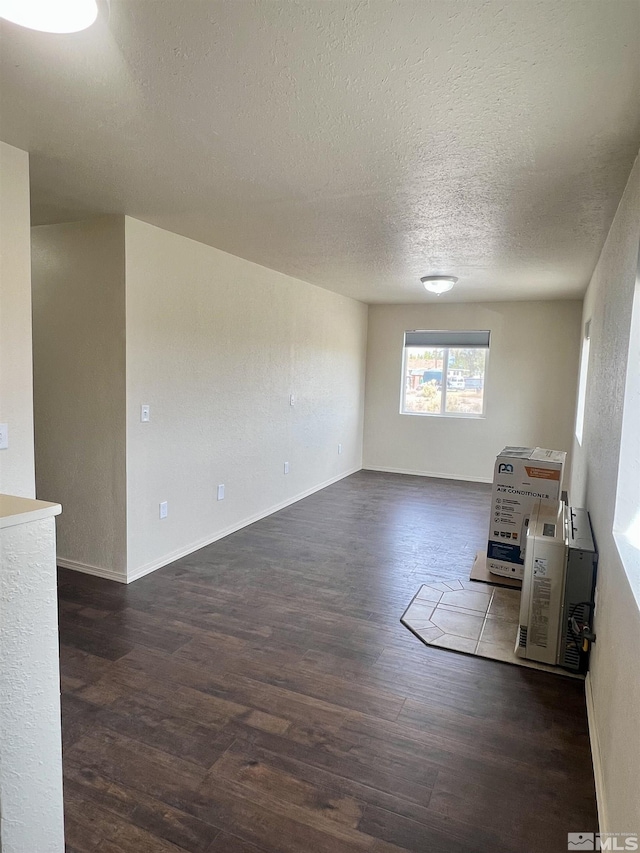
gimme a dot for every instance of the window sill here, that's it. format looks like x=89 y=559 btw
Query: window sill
x=444 y=415
x=630 y=558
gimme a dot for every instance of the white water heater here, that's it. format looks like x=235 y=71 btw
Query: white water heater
x=543 y=583
x=557 y=603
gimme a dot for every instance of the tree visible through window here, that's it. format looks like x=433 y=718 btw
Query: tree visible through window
x=447 y=377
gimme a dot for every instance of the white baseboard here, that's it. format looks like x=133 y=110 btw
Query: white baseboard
x=434 y=474
x=596 y=756
x=202 y=543
x=88 y=569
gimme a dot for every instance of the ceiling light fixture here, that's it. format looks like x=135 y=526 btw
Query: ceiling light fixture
x=50 y=16
x=438 y=283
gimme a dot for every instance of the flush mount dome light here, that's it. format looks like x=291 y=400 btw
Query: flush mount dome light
x=50 y=16
x=438 y=283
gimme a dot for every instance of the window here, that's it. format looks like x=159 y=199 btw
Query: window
x=582 y=382
x=443 y=373
x=627 y=514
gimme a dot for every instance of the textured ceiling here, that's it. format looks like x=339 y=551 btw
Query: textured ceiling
x=355 y=145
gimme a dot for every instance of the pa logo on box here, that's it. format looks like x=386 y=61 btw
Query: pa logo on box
x=507 y=468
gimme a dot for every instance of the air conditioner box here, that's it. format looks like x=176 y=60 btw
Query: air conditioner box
x=521 y=476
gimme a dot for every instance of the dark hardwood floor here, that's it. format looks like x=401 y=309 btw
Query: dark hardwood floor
x=261 y=696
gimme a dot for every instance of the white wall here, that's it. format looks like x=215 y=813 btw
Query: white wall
x=614 y=682
x=31 y=815
x=31 y=812
x=530 y=387
x=79 y=387
x=216 y=345
x=16 y=395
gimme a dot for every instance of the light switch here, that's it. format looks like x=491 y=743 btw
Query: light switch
x=145 y=414
x=164 y=509
x=4 y=436
x=286 y=467
x=221 y=492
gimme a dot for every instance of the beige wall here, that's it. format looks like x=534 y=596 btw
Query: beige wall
x=31 y=801
x=530 y=387
x=16 y=392
x=216 y=345
x=614 y=683
x=79 y=387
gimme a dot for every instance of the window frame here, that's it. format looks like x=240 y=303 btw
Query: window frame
x=443 y=396
x=583 y=381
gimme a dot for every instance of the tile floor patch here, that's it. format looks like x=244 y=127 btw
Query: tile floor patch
x=419 y=613
x=497 y=651
x=466 y=598
x=506 y=604
x=428 y=593
x=481 y=622
x=458 y=644
x=500 y=631
x=457 y=623
x=441 y=586
x=431 y=634
x=460 y=610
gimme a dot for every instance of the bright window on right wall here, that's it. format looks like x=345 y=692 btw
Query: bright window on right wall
x=582 y=382
x=627 y=516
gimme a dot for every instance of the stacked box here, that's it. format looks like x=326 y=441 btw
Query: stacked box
x=521 y=476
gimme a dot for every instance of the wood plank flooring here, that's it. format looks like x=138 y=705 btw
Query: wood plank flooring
x=261 y=696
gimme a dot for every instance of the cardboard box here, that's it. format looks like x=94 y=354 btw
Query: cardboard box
x=521 y=476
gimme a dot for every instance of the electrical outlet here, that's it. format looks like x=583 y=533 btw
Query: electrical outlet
x=4 y=436
x=286 y=467
x=145 y=414
x=221 y=492
x=164 y=509
x=292 y=400
x=339 y=448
